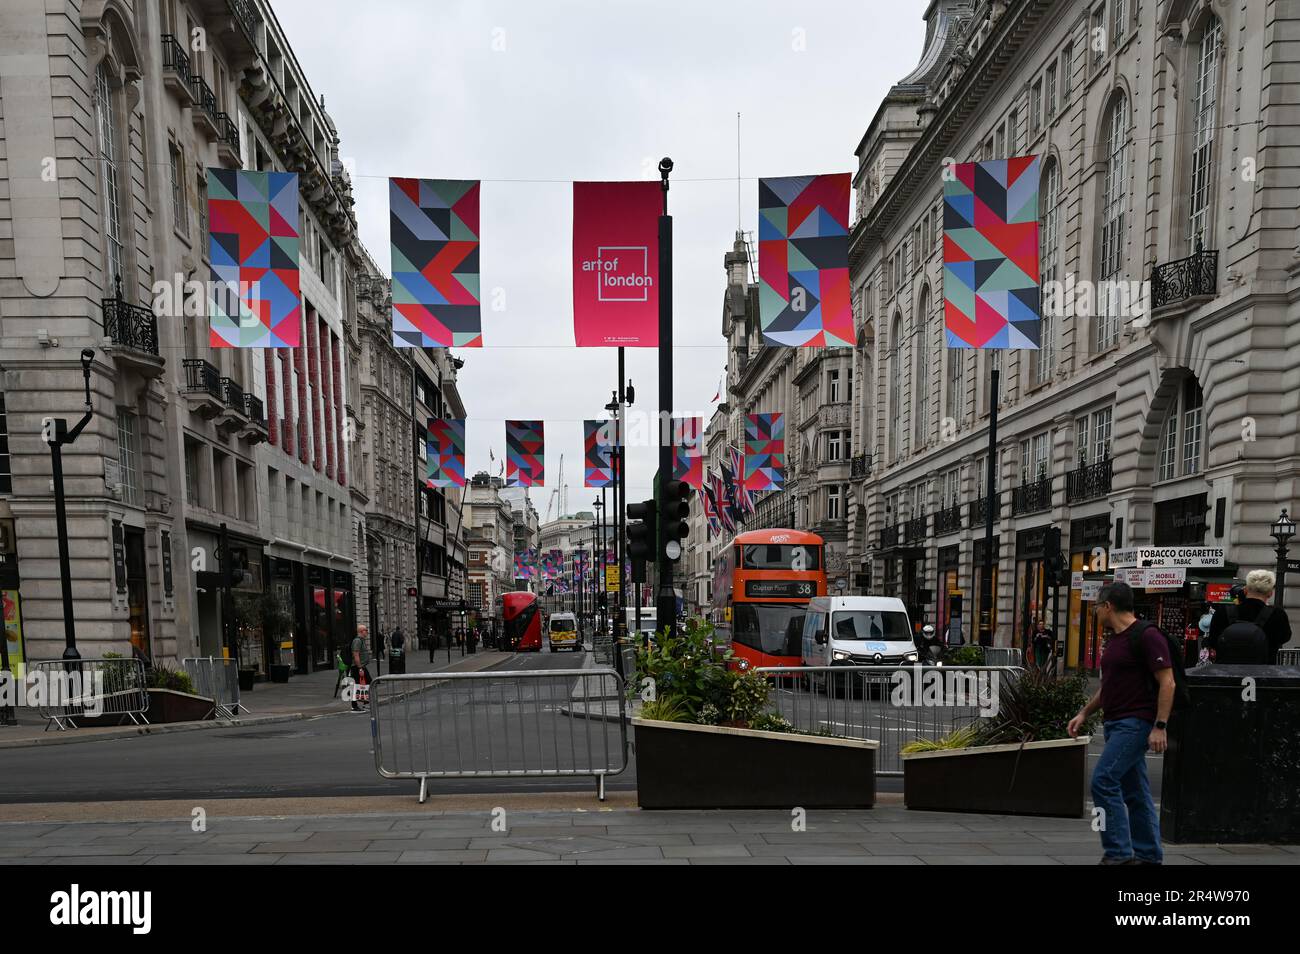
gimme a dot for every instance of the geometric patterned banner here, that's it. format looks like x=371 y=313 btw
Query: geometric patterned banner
x=764 y=451
x=526 y=564
x=688 y=450
x=525 y=454
x=253 y=248
x=803 y=261
x=446 y=453
x=990 y=254
x=598 y=452
x=552 y=564
x=433 y=228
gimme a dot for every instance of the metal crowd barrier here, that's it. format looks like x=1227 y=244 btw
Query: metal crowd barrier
x=87 y=688
x=892 y=705
x=218 y=680
x=1289 y=656
x=499 y=725
x=602 y=649
x=1004 y=656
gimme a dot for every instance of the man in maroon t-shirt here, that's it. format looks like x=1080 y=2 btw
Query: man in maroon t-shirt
x=1136 y=696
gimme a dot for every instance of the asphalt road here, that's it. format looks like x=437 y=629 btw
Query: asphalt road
x=325 y=756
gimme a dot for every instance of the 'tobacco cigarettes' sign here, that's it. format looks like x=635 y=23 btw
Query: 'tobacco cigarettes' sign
x=1166 y=557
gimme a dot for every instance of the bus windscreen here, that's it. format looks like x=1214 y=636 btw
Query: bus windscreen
x=799 y=558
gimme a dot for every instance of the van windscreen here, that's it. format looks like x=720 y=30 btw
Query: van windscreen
x=875 y=625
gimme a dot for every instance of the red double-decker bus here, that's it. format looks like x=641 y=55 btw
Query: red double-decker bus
x=521 y=622
x=762 y=584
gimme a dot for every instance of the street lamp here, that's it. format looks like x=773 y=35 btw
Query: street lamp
x=599 y=506
x=1282 y=530
x=60 y=436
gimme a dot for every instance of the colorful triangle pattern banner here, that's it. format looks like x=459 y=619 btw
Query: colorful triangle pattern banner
x=525 y=454
x=803 y=261
x=445 y=465
x=991 y=296
x=764 y=452
x=253 y=237
x=526 y=564
x=598 y=452
x=688 y=450
x=433 y=229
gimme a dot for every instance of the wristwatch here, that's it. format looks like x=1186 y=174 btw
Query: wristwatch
x=1161 y=725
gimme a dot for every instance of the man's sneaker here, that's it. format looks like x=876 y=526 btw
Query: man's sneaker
x=1108 y=860
x=1145 y=861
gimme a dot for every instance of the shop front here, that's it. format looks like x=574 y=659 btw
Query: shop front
x=12 y=650
x=977 y=588
x=1089 y=544
x=1032 y=590
x=323 y=610
x=904 y=578
x=950 y=596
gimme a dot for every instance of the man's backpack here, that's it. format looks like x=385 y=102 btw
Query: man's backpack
x=1243 y=641
x=1182 y=698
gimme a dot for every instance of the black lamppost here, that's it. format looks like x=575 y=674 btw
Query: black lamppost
x=1282 y=531
x=56 y=441
x=599 y=506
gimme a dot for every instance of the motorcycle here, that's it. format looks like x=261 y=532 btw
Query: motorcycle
x=931 y=646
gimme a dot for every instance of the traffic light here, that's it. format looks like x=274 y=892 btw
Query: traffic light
x=1053 y=559
x=676 y=507
x=642 y=530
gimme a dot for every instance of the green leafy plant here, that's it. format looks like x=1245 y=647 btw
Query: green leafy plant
x=771 y=722
x=747 y=696
x=669 y=709
x=165 y=677
x=966 y=656
x=958 y=739
x=1035 y=708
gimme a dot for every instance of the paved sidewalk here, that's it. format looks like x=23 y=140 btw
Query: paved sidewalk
x=302 y=697
x=888 y=834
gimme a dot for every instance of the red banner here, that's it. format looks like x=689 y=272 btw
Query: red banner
x=616 y=264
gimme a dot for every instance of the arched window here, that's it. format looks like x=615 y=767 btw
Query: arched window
x=1181 y=447
x=921 y=399
x=1049 y=256
x=109 y=186
x=1205 y=118
x=895 y=388
x=1114 y=202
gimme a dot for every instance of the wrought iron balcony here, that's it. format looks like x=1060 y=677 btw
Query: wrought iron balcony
x=889 y=536
x=979 y=510
x=202 y=376
x=227 y=137
x=233 y=393
x=176 y=67
x=1089 y=482
x=914 y=529
x=859 y=466
x=130 y=326
x=1032 y=497
x=245 y=15
x=948 y=519
x=1186 y=278
x=205 y=106
x=254 y=410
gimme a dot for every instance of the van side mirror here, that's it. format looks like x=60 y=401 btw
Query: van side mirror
x=820 y=637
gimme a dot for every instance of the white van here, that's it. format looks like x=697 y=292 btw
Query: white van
x=857 y=631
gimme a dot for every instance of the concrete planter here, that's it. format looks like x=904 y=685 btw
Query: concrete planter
x=681 y=765
x=166 y=705
x=1038 y=778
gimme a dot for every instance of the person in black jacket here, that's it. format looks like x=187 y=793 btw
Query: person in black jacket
x=1254 y=607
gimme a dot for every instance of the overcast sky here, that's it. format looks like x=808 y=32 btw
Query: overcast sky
x=593 y=90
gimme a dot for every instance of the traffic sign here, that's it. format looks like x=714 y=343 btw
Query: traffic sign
x=611 y=579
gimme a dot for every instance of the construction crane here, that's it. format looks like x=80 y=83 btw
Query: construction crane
x=559 y=492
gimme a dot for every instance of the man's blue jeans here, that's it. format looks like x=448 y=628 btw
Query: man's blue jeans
x=1130 y=826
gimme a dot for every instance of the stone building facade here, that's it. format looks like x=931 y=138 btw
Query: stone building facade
x=1164 y=131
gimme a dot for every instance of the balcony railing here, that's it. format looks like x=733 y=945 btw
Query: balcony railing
x=1032 y=497
x=948 y=519
x=234 y=395
x=1089 y=482
x=979 y=510
x=228 y=132
x=130 y=326
x=202 y=376
x=205 y=101
x=889 y=536
x=1186 y=278
x=914 y=529
x=859 y=466
x=175 y=59
x=245 y=15
x=254 y=410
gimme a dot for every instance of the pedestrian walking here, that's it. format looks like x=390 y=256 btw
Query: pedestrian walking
x=1252 y=631
x=1135 y=699
x=359 y=672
